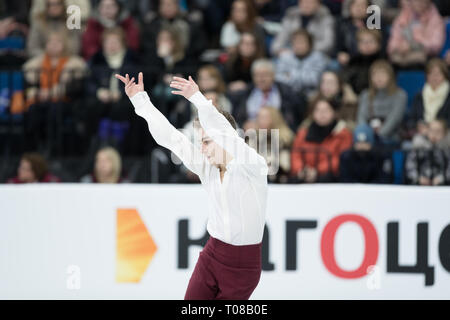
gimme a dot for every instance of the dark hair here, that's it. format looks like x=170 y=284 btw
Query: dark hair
x=117 y=31
x=251 y=15
x=38 y=164
x=334 y=103
x=440 y=64
x=227 y=116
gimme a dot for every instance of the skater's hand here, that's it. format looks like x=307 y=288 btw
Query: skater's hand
x=187 y=87
x=132 y=88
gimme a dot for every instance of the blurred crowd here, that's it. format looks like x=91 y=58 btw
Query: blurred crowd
x=357 y=90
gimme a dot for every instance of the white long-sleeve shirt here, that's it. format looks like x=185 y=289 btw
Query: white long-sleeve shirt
x=238 y=204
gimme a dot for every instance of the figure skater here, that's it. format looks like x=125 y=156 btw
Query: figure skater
x=235 y=177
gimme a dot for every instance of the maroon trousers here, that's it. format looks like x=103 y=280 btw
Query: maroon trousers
x=225 y=271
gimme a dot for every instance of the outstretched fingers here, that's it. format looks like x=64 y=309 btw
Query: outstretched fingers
x=130 y=83
x=180 y=79
x=141 y=79
x=176 y=85
x=121 y=78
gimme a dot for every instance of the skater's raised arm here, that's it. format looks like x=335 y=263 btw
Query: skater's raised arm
x=164 y=133
x=218 y=128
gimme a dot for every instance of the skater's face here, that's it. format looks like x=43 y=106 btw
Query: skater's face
x=215 y=154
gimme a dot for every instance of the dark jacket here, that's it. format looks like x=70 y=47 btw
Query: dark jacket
x=430 y=163
x=238 y=69
x=357 y=71
x=365 y=167
x=100 y=71
x=156 y=67
x=417 y=111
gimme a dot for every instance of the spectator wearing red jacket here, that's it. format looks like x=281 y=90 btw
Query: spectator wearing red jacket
x=109 y=14
x=319 y=143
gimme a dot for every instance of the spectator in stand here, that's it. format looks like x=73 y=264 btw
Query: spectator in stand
x=364 y=163
x=332 y=87
x=190 y=31
x=210 y=82
x=238 y=66
x=107 y=109
x=171 y=60
x=301 y=67
x=84 y=6
x=433 y=102
x=383 y=104
x=428 y=163
x=109 y=14
x=33 y=168
x=53 y=18
x=272 y=132
x=272 y=10
x=52 y=77
x=417 y=33
x=309 y=15
x=108 y=168
x=209 y=78
x=388 y=8
x=356 y=73
x=319 y=144
x=265 y=91
x=242 y=19
x=347 y=28
x=13 y=32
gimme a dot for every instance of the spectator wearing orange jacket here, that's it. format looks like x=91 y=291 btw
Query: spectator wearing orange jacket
x=319 y=143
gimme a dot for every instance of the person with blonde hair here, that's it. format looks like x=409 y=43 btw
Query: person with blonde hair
x=107 y=169
x=55 y=76
x=52 y=18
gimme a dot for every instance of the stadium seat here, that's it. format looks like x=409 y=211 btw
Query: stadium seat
x=412 y=82
x=398 y=161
